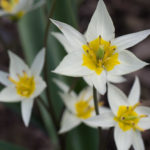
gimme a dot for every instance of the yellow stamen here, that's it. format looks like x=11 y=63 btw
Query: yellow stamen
x=127 y=118
x=99 y=55
x=25 y=86
x=83 y=108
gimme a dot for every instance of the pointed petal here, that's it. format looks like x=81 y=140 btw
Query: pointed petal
x=144 y=123
x=134 y=95
x=103 y=120
x=62 y=39
x=143 y=110
x=99 y=82
x=68 y=122
x=9 y=94
x=115 y=78
x=38 y=62
x=26 y=110
x=138 y=143
x=4 y=78
x=116 y=98
x=71 y=65
x=128 y=63
x=69 y=101
x=130 y=40
x=64 y=87
x=40 y=85
x=17 y=65
x=100 y=24
x=75 y=38
x=123 y=139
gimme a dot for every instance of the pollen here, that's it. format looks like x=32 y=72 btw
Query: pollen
x=128 y=119
x=25 y=86
x=100 y=55
x=8 y=5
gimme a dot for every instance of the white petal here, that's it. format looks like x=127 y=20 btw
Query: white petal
x=115 y=78
x=100 y=24
x=64 y=87
x=71 y=65
x=68 y=122
x=9 y=94
x=75 y=38
x=130 y=40
x=103 y=120
x=144 y=123
x=86 y=92
x=39 y=87
x=138 y=143
x=62 y=39
x=103 y=109
x=99 y=82
x=128 y=63
x=38 y=62
x=20 y=6
x=134 y=95
x=143 y=110
x=116 y=98
x=69 y=101
x=17 y=65
x=88 y=80
x=123 y=139
x=4 y=78
x=26 y=110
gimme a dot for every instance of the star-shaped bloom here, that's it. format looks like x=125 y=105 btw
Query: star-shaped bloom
x=98 y=56
x=18 y=7
x=23 y=84
x=127 y=116
x=78 y=107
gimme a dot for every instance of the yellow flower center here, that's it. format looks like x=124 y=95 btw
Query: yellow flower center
x=84 y=109
x=99 y=55
x=25 y=86
x=127 y=118
x=8 y=5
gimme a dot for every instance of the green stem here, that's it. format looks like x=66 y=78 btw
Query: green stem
x=95 y=101
x=51 y=110
x=46 y=65
x=97 y=113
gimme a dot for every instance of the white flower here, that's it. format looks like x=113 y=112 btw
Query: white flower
x=23 y=84
x=127 y=116
x=98 y=56
x=78 y=107
x=18 y=7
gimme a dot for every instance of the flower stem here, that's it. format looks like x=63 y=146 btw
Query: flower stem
x=51 y=110
x=95 y=101
x=97 y=113
x=46 y=64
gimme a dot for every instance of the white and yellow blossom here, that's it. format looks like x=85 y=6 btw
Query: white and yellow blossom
x=18 y=7
x=127 y=116
x=78 y=107
x=98 y=56
x=23 y=84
